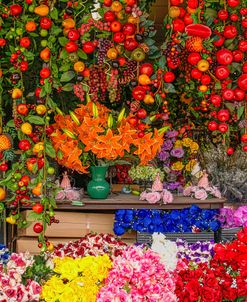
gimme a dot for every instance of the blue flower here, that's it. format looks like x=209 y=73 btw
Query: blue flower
x=118 y=230
x=194 y=210
x=214 y=225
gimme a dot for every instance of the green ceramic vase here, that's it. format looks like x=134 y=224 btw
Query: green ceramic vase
x=98 y=187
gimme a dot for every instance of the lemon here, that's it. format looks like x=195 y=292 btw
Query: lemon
x=26 y=128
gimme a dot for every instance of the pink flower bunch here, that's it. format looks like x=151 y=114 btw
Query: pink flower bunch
x=201 y=193
x=91 y=244
x=12 y=290
x=232 y=218
x=138 y=276
x=153 y=197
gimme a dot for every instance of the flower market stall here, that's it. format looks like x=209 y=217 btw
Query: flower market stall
x=123 y=150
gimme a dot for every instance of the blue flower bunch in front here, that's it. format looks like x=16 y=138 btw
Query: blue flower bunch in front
x=4 y=254
x=176 y=221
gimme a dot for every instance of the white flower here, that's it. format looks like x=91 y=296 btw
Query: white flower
x=166 y=249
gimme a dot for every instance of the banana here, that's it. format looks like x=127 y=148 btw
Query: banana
x=74 y=118
x=121 y=115
x=110 y=121
x=59 y=111
x=95 y=110
x=69 y=133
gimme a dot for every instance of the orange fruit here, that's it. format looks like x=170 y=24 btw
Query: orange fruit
x=2 y=194
x=79 y=66
x=174 y=12
x=112 y=53
x=144 y=79
x=26 y=128
x=16 y=93
x=41 y=10
x=5 y=143
x=203 y=88
x=203 y=65
x=45 y=54
x=40 y=109
x=148 y=99
x=116 y=6
x=68 y=23
x=133 y=20
x=30 y=26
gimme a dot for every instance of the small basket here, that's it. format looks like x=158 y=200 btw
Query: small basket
x=146 y=238
x=229 y=234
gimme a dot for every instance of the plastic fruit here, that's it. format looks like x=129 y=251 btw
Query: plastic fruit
x=203 y=65
x=16 y=93
x=130 y=44
x=239 y=94
x=2 y=193
x=41 y=10
x=116 y=6
x=138 y=55
x=169 y=76
x=228 y=94
x=220 y=41
x=88 y=47
x=215 y=100
x=73 y=35
x=148 y=99
x=194 y=44
x=198 y=30
x=147 y=68
x=222 y=72
x=233 y=3
x=15 y=9
x=237 y=55
x=144 y=79
x=212 y=126
x=129 y=29
x=244 y=138
x=222 y=14
x=38 y=208
x=141 y=113
x=242 y=82
x=119 y=37
x=38 y=228
x=194 y=58
x=174 y=12
x=45 y=73
x=115 y=26
x=24 y=66
x=45 y=23
x=230 y=32
x=79 y=66
x=244 y=148
x=71 y=46
x=26 y=128
x=205 y=79
x=133 y=120
x=38 y=147
x=68 y=23
x=4 y=167
x=25 y=42
x=224 y=56
x=25 y=179
x=40 y=109
x=30 y=26
x=112 y=53
x=196 y=73
x=230 y=151
x=223 y=128
x=24 y=145
x=37 y=190
x=223 y=115
x=22 y=109
x=45 y=54
x=5 y=143
x=138 y=93
x=50 y=170
x=178 y=25
x=109 y=16
x=11 y=219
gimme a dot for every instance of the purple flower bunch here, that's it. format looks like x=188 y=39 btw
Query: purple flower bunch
x=233 y=218
x=200 y=251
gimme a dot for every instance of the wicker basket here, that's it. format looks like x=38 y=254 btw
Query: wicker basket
x=146 y=238
x=229 y=234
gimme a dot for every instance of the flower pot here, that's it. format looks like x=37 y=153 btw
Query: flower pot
x=98 y=187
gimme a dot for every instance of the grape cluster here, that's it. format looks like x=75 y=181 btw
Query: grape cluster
x=95 y=24
x=172 y=53
x=53 y=220
x=113 y=89
x=79 y=92
x=128 y=74
x=104 y=46
x=97 y=83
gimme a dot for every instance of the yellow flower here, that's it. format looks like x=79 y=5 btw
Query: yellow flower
x=177 y=166
x=178 y=144
x=190 y=165
x=187 y=142
x=194 y=147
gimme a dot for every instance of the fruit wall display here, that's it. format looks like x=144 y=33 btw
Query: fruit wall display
x=56 y=56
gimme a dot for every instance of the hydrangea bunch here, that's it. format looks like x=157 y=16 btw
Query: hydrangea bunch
x=145 y=173
x=150 y=221
x=138 y=275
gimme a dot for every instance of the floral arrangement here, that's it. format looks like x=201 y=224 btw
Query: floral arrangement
x=222 y=279
x=192 y=219
x=91 y=244
x=178 y=157
x=202 y=193
x=198 y=252
x=153 y=197
x=79 y=279
x=88 y=136
x=11 y=280
x=4 y=254
x=145 y=173
x=136 y=274
x=233 y=218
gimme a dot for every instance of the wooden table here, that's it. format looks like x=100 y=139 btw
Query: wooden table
x=128 y=201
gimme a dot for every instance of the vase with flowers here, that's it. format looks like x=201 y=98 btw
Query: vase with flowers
x=92 y=136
